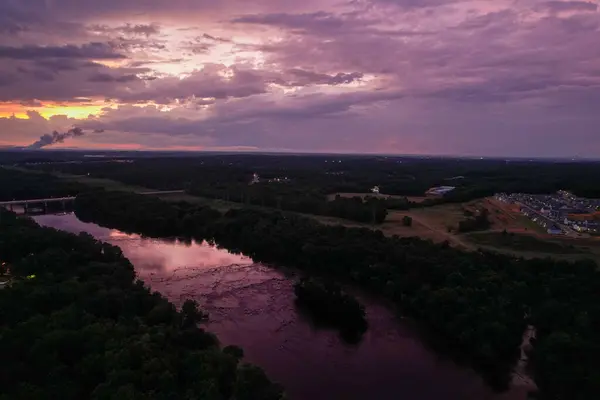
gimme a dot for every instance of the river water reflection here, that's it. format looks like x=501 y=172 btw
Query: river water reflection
x=252 y=306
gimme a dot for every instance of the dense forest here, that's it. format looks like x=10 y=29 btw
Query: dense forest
x=19 y=185
x=303 y=200
x=330 y=306
x=77 y=325
x=306 y=184
x=220 y=175
x=479 y=303
x=479 y=222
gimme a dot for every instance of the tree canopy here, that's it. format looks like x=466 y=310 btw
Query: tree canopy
x=330 y=306
x=480 y=303
x=77 y=324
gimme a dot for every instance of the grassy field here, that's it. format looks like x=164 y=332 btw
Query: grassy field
x=220 y=205
x=429 y=224
x=107 y=184
x=523 y=242
x=110 y=184
x=505 y=218
x=415 y=199
x=524 y=237
x=437 y=223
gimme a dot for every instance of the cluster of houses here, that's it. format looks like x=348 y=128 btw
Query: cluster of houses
x=585 y=222
x=556 y=210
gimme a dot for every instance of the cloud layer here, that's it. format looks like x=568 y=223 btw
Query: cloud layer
x=395 y=76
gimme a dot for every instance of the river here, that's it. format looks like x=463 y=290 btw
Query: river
x=252 y=305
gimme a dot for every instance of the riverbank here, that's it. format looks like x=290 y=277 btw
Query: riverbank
x=521 y=376
x=475 y=300
x=78 y=325
x=252 y=305
x=363 y=256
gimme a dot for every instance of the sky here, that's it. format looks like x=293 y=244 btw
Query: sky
x=452 y=77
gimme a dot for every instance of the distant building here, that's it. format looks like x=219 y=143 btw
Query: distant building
x=580 y=227
x=440 y=190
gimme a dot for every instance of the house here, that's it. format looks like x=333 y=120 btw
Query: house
x=555 y=230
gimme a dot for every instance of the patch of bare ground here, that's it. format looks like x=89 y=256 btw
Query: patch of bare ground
x=436 y=223
x=379 y=196
x=439 y=224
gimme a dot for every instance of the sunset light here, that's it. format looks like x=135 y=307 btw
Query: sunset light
x=300 y=199
x=468 y=77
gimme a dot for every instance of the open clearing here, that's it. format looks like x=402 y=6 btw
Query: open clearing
x=522 y=242
x=525 y=238
x=363 y=195
x=436 y=223
x=107 y=184
x=414 y=199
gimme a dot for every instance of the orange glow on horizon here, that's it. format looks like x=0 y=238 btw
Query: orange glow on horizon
x=48 y=110
x=71 y=111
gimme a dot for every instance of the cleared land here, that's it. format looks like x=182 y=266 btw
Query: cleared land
x=522 y=242
x=437 y=223
x=363 y=195
x=107 y=184
x=414 y=199
x=523 y=237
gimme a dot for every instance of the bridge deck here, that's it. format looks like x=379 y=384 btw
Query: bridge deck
x=70 y=198
x=49 y=200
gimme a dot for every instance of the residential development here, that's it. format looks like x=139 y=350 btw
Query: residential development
x=559 y=213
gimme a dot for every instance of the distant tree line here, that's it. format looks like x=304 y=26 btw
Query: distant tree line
x=302 y=200
x=19 y=185
x=329 y=174
x=479 y=302
x=77 y=325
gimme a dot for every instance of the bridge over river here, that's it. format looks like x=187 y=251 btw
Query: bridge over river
x=64 y=200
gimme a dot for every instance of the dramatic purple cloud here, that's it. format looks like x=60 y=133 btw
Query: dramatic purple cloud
x=569 y=6
x=87 y=51
x=400 y=76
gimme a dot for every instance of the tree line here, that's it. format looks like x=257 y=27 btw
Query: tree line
x=479 y=302
x=21 y=185
x=76 y=324
x=328 y=174
x=303 y=200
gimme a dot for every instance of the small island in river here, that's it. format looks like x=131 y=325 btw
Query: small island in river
x=329 y=306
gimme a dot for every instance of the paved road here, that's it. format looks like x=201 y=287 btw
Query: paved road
x=70 y=198
x=163 y=192
x=566 y=229
x=49 y=200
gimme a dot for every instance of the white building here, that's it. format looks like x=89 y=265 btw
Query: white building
x=440 y=190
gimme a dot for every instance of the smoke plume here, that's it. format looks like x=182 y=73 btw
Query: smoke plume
x=56 y=137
